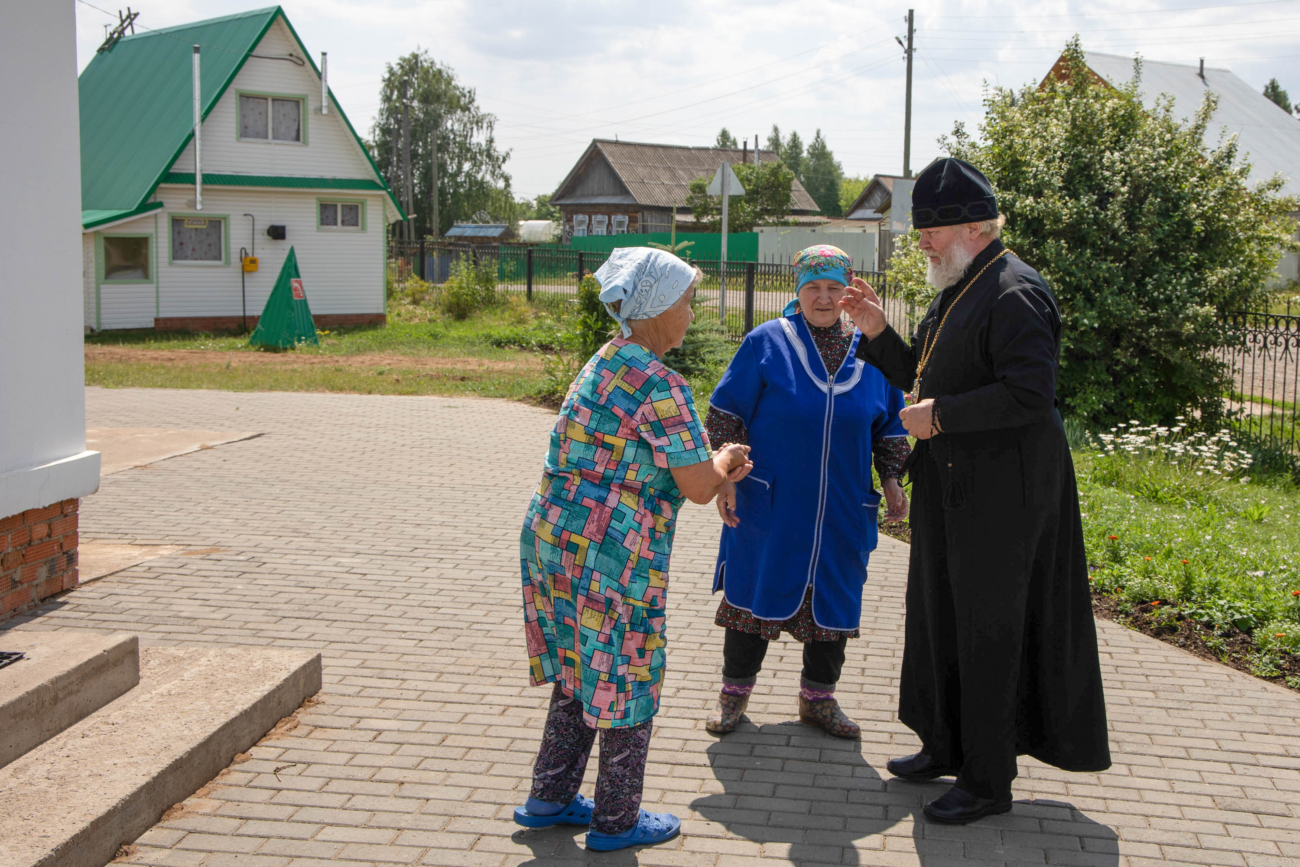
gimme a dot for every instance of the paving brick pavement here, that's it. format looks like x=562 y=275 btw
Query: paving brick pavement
x=382 y=531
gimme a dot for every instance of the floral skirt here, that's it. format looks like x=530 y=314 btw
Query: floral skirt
x=801 y=626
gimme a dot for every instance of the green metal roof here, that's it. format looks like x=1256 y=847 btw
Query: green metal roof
x=91 y=219
x=136 y=99
x=283 y=182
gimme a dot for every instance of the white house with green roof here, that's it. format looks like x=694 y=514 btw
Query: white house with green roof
x=278 y=167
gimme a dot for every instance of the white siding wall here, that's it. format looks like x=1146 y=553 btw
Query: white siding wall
x=330 y=151
x=342 y=271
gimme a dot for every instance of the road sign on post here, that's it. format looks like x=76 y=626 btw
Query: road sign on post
x=725 y=184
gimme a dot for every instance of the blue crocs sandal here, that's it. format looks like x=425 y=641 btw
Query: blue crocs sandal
x=577 y=813
x=650 y=829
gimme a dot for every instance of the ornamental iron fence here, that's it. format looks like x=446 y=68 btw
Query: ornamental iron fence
x=1264 y=362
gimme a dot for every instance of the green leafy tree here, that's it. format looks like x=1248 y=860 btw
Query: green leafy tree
x=1274 y=91
x=471 y=169
x=725 y=139
x=822 y=174
x=850 y=189
x=1146 y=236
x=540 y=208
x=766 y=202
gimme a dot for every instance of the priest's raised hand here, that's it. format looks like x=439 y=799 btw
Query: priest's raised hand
x=864 y=307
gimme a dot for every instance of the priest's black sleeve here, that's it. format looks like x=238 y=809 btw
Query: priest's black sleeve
x=1021 y=345
x=892 y=356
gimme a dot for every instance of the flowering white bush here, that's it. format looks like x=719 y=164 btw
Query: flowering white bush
x=1201 y=453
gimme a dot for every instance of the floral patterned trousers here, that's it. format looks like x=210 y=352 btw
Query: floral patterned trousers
x=562 y=761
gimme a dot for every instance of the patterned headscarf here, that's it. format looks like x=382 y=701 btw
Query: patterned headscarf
x=647 y=282
x=819 y=262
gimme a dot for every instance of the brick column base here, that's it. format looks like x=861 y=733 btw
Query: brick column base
x=38 y=556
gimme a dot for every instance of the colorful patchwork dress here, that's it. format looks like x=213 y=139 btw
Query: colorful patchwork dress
x=599 y=531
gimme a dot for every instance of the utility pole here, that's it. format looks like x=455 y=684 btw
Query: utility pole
x=907 y=112
x=434 y=215
x=406 y=158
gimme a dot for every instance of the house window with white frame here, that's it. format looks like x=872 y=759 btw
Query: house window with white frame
x=270 y=118
x=198 y=239
x=598 y=224
x=618 y=224
x=341 y=215
x=126 y=258
x=579 y=225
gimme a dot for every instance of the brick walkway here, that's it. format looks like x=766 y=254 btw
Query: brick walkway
x=382 y=531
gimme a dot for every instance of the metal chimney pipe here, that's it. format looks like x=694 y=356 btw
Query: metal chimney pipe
x=1202 y=72
x=198 y=143
x=324 y=84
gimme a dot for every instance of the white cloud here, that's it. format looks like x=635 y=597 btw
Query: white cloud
x=559 y=73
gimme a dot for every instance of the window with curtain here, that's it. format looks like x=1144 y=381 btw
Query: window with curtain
x=340 y=215
x=270 y=118
x=618 y=224
x=598 y=224
x=198 y=239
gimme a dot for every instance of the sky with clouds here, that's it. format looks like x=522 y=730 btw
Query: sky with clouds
x=558 y=73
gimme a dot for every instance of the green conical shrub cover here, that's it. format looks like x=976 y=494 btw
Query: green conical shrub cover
x=286 y=321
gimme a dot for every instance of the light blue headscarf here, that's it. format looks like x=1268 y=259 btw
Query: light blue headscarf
x=647 y=282
x=816 y=263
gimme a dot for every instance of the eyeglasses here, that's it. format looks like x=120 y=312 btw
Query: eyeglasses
x=972 y=212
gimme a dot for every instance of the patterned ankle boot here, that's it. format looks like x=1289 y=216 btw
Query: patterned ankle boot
x=818 y=708
x=727 y=716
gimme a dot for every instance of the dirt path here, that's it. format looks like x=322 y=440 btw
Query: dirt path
x=204 y=357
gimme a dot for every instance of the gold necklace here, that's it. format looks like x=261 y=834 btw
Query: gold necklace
x=933 y=337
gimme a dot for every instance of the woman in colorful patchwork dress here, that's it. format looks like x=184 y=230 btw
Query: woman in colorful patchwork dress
x=800 y=528
x=627 y=449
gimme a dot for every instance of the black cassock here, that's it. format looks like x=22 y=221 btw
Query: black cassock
x=1000 y=655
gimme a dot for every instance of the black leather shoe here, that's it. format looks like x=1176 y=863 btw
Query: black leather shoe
x=918 y=767
x=958 y=807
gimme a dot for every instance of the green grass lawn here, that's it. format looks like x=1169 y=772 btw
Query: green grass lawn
x=1230 y=562
x=499 y=352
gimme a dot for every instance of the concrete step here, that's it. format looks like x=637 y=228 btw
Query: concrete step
x=64 y=677
x=74 y=800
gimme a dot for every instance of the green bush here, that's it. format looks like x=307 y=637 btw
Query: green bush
x=469 y=288
x=593 y=326
x=703 y=356
x=1146 y=237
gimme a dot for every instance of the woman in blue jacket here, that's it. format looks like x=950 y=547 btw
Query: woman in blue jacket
x=799 y=530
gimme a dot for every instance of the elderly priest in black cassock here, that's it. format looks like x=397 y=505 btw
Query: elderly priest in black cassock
x=1000 y=653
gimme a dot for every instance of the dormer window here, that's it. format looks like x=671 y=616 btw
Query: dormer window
x=271 y=118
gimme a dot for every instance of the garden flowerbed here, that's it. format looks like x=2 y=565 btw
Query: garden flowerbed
x=1231 y=646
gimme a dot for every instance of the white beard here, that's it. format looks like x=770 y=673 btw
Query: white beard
x=950 y=267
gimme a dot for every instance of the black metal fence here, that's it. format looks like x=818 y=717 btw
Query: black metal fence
x=1264 y=360
x=741 y=295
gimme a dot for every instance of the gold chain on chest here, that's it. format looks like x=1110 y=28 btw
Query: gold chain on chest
x=933 y=337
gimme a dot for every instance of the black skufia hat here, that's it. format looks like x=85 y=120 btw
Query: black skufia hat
x=950 y=192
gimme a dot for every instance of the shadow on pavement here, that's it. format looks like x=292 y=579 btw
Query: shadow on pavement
x=787 y=784
x=561 y=845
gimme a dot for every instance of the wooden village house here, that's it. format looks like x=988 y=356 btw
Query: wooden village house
x=618 y=187
x=166 y=224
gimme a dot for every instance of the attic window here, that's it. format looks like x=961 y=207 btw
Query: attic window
x=270 y=118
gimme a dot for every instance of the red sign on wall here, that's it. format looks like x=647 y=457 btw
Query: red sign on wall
x=298 y=294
